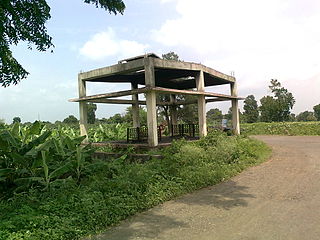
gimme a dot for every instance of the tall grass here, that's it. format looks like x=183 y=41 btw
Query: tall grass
x=282 y=128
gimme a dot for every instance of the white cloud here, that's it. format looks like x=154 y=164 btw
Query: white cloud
x=259 y=40
x=106 y=44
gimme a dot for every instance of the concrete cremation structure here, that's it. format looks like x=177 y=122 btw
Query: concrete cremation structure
x=158 y=76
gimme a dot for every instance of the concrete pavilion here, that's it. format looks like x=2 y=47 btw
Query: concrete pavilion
x=158 y=76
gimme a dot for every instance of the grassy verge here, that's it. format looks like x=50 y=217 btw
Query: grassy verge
x=119 y=189
x=282 y=128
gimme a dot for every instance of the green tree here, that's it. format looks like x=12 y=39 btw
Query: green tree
x=164 y=110
x=251 y=111
x=24 y=20
x=316 y=110
x=306 y=116
x=92 y=112
x=228 y=116
x=142 y=116
x=70 y=120
x=16 y=120
x=214 y=116
x=277 y=108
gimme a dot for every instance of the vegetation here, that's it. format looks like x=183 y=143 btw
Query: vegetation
x=316 y=110
x=66 y=195
x=92 y=107
x=71 y=120
x=277 y=108
x=16 y=120
x=306 y=116
x=282 y=128
x=251 y=112
x=214 y=116
x=24 y=20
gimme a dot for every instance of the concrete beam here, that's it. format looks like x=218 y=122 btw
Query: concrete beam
x=93 y=98
x=235 y=110
x=161 y=63
x=173 y=109
x=201 y=105
x=114 y=69
x=83 y=109
x=135 y=107
x=151 y=103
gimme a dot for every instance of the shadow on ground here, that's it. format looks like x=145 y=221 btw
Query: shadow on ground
x=145 y=225
x=225 y=195
x=150 y=224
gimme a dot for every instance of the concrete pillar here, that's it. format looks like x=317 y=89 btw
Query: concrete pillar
x=201 y=105
x=235 y=109
x=151 y=103
x=83 y=109
x=173 y=110
x=135 y=107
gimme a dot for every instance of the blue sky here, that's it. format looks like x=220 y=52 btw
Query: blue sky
x=258 y=40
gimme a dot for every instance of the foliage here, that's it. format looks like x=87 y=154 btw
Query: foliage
x=214 y=116
x=71 y=120
x=251 y=111
x=109 y=132
x=24 y=20
x=277 y=108
x=16 y=120
x=165 y=110
x=172 y=56
x=282 y=128
x=316 y=110
x=91 y=112
x=306 y=116
x=127 y=117
x=30 y=157
x=117 y=189
x=188 y=113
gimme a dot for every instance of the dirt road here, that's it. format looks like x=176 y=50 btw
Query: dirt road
x=279 y=199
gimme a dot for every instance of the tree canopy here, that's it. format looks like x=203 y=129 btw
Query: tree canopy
x=306 y=116
x=24 y=20
x=251 y=111
x=316 y=110
x=277 y=108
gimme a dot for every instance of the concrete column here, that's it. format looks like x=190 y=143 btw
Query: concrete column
x=83 y=109
x=151 y=103
x=235 y=109
x=201 y=105
x=135 y=107
x=173 y=110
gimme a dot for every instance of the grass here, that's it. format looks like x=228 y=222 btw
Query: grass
x=282 y=128
x=118 y=189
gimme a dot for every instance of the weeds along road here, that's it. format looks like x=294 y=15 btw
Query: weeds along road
x=279 y=199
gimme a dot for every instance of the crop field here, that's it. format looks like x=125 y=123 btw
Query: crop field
x=282 y=128
x=51 y=187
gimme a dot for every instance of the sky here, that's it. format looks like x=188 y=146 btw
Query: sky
x=257 y=40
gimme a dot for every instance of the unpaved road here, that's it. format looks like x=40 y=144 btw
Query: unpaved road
x=279 y=199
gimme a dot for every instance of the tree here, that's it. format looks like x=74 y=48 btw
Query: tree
x=228 y=116
x=16 y=120
x=306 y=116
x=24 y=20
x=70 y=120
x=164 y=110
x=91 y=112
x=251 y=111
x=316 y=110
x=277 y=108
x=214 y=115
x=142 y=116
